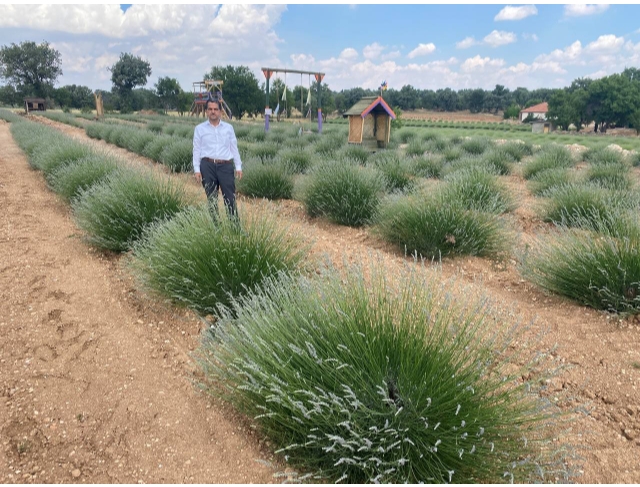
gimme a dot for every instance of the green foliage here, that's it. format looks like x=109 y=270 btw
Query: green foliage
x=601 y=271
x=512 y=112
x=128 y=72
x=574 y=204
x=603 y=156
x=328 y=145
x=477 y=190
x=155 y=127
x=345 y=193
x=415 y=147
x=517 y=150
x=553 y=156
x=31 y=68
x=610 y=176
x=265 y=151
x=154 y=148
x=178 y=155
x=58 y=152
x=271 y=181
x=297 y=161
x=433 y=229
x=406 y=135
x=395 y=170
x=70 y=180
x=115 y=212
x=9 y=116
x=452 y=153
x=426 y=167
x=354 y=382
x=476 y=146
x=634 y=159
x=548 y=180
x=137 y=140
x=31 y=137
x=168 y=90
x=202 y=262
x=500 y=159
x=241 y=90
x=356 y=153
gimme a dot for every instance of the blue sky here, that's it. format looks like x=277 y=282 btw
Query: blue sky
x=426 y=46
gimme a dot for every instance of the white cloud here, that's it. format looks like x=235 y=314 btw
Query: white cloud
x=605 y=43
x=373 y=51
x=466 y=43
x=349 y=54
x=422 y=50
x=500 y=38
x=478 y=63
x=577 y=10
x=570 y=54
x=526 y=36
x=516 y=13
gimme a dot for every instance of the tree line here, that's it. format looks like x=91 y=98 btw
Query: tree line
x=31 y=69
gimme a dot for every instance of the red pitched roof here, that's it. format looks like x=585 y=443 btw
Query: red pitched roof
x=539 y=108
x=379 y=101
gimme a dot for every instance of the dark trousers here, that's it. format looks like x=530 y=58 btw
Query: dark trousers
x=221 y=176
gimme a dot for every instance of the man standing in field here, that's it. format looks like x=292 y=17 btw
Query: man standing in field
x=215 y=153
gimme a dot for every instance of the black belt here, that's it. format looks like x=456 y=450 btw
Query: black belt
x=217 y=161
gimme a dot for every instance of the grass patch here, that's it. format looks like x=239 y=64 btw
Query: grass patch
x=395 y=170
x=477 y=190
x=426 y=167
x=552 y=157
x=345 y=193
x=271 y=181
x=70 y=180
x=353 y=381
x=415 y=148
x=297 y=161
x=201 y=262
x=610 y=176
x=600 y=271
x=115 y=212
x=433 y=229
x=178 y=155
x=549 y=180
x=476 y=146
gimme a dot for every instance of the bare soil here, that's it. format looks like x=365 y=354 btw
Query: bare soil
x=97 y=379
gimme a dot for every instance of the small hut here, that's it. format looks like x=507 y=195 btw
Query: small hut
x=370 y=122
x=35 y=104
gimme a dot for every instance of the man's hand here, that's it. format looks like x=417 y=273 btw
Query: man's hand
x=198 y=177
x=239 y=174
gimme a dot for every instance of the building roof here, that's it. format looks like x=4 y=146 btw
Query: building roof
x=32 y=99
x=367 y=104
x=539 y=108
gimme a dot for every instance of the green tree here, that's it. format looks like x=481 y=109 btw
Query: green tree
x=168 y=90
x=512 y=111
x=32 y=69
x=127 y=73
x=561 y=109
x=241 y=91
x=446 y=100
x=635 y=121
x=62 y=97
x=476 y=101
x=184 y=102
x=9 y=96
x=81 y=96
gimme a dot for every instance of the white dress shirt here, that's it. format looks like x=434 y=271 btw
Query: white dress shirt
x=215 y=143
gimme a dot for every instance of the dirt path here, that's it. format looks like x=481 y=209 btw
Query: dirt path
x=599 y=350
x=95 y=384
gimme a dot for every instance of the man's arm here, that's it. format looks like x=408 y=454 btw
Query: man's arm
x=196 y=154
x=235 y=152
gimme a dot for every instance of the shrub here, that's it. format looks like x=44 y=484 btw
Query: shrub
x=265 y=151
x=136 y=140
x=347 y=194
x=296 y=161
x=596 y=270
x=31 y=137
x=432 y=228
x=328 y=145
x=452 y=154
x=426 y=167
x=548 y=180
x=356 y=153
x=428 y=136
x=415 y=147
x=396 y=171
x=474 y=189
x=271 y=181
x=498 y=158
x=634 y=159
x=352 y=381
x=154 y=148
x=57 y=153
x=406 y=135
x=115 y=212
x=70 y=180
x=554 y=156
x=201 y=262
x=178 y=155
x=155 y=127
x=476 y=146
x=603 y=156
x=610 y=176
x=517 y=150
x=9 y=116
x=572 y=204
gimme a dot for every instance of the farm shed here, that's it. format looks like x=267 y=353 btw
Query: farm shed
x=536 y=111
x=542 y=127
x=370 y=122
x=37 y=104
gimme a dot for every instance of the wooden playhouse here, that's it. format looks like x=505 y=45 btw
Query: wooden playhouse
x=370 y=122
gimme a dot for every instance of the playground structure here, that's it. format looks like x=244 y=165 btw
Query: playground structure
x=203 y=91
x=268 y=72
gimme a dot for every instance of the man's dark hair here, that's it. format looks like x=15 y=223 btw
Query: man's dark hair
x=217 y=102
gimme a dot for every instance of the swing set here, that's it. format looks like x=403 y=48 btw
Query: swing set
x=268 y=72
